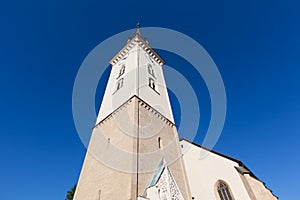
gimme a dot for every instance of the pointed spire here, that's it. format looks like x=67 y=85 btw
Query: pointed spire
x=138 y=31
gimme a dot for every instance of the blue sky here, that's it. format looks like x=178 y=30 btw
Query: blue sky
x=256 y=46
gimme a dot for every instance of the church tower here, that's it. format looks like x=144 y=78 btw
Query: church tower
x=134 y=150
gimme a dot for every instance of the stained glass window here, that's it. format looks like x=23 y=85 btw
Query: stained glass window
x=223 y=191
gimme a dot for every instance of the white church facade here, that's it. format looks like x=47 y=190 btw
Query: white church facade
x=220 y=177
x=135 y=152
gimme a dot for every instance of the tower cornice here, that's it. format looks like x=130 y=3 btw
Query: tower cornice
x=137 y=39
x=142 y=103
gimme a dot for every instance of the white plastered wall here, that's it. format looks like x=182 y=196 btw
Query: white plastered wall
x=203 y=174
x=136 y=63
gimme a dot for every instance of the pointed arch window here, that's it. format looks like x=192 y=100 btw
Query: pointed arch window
x=122 y=71
x=119 y=85
x=151 y=71
x=152 y=85
x=223 y=191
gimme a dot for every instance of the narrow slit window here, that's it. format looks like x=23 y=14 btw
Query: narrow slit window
x=159 y=142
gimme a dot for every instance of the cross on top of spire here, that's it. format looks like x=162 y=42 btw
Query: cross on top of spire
x=137 y=38
x=138 y=25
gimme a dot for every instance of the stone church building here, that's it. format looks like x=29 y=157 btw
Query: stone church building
x=135 y=153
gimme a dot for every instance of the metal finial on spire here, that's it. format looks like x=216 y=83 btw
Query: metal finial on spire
x=138 y=25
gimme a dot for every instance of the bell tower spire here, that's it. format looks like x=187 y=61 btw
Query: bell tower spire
x=134 y=132
x=136 y=71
